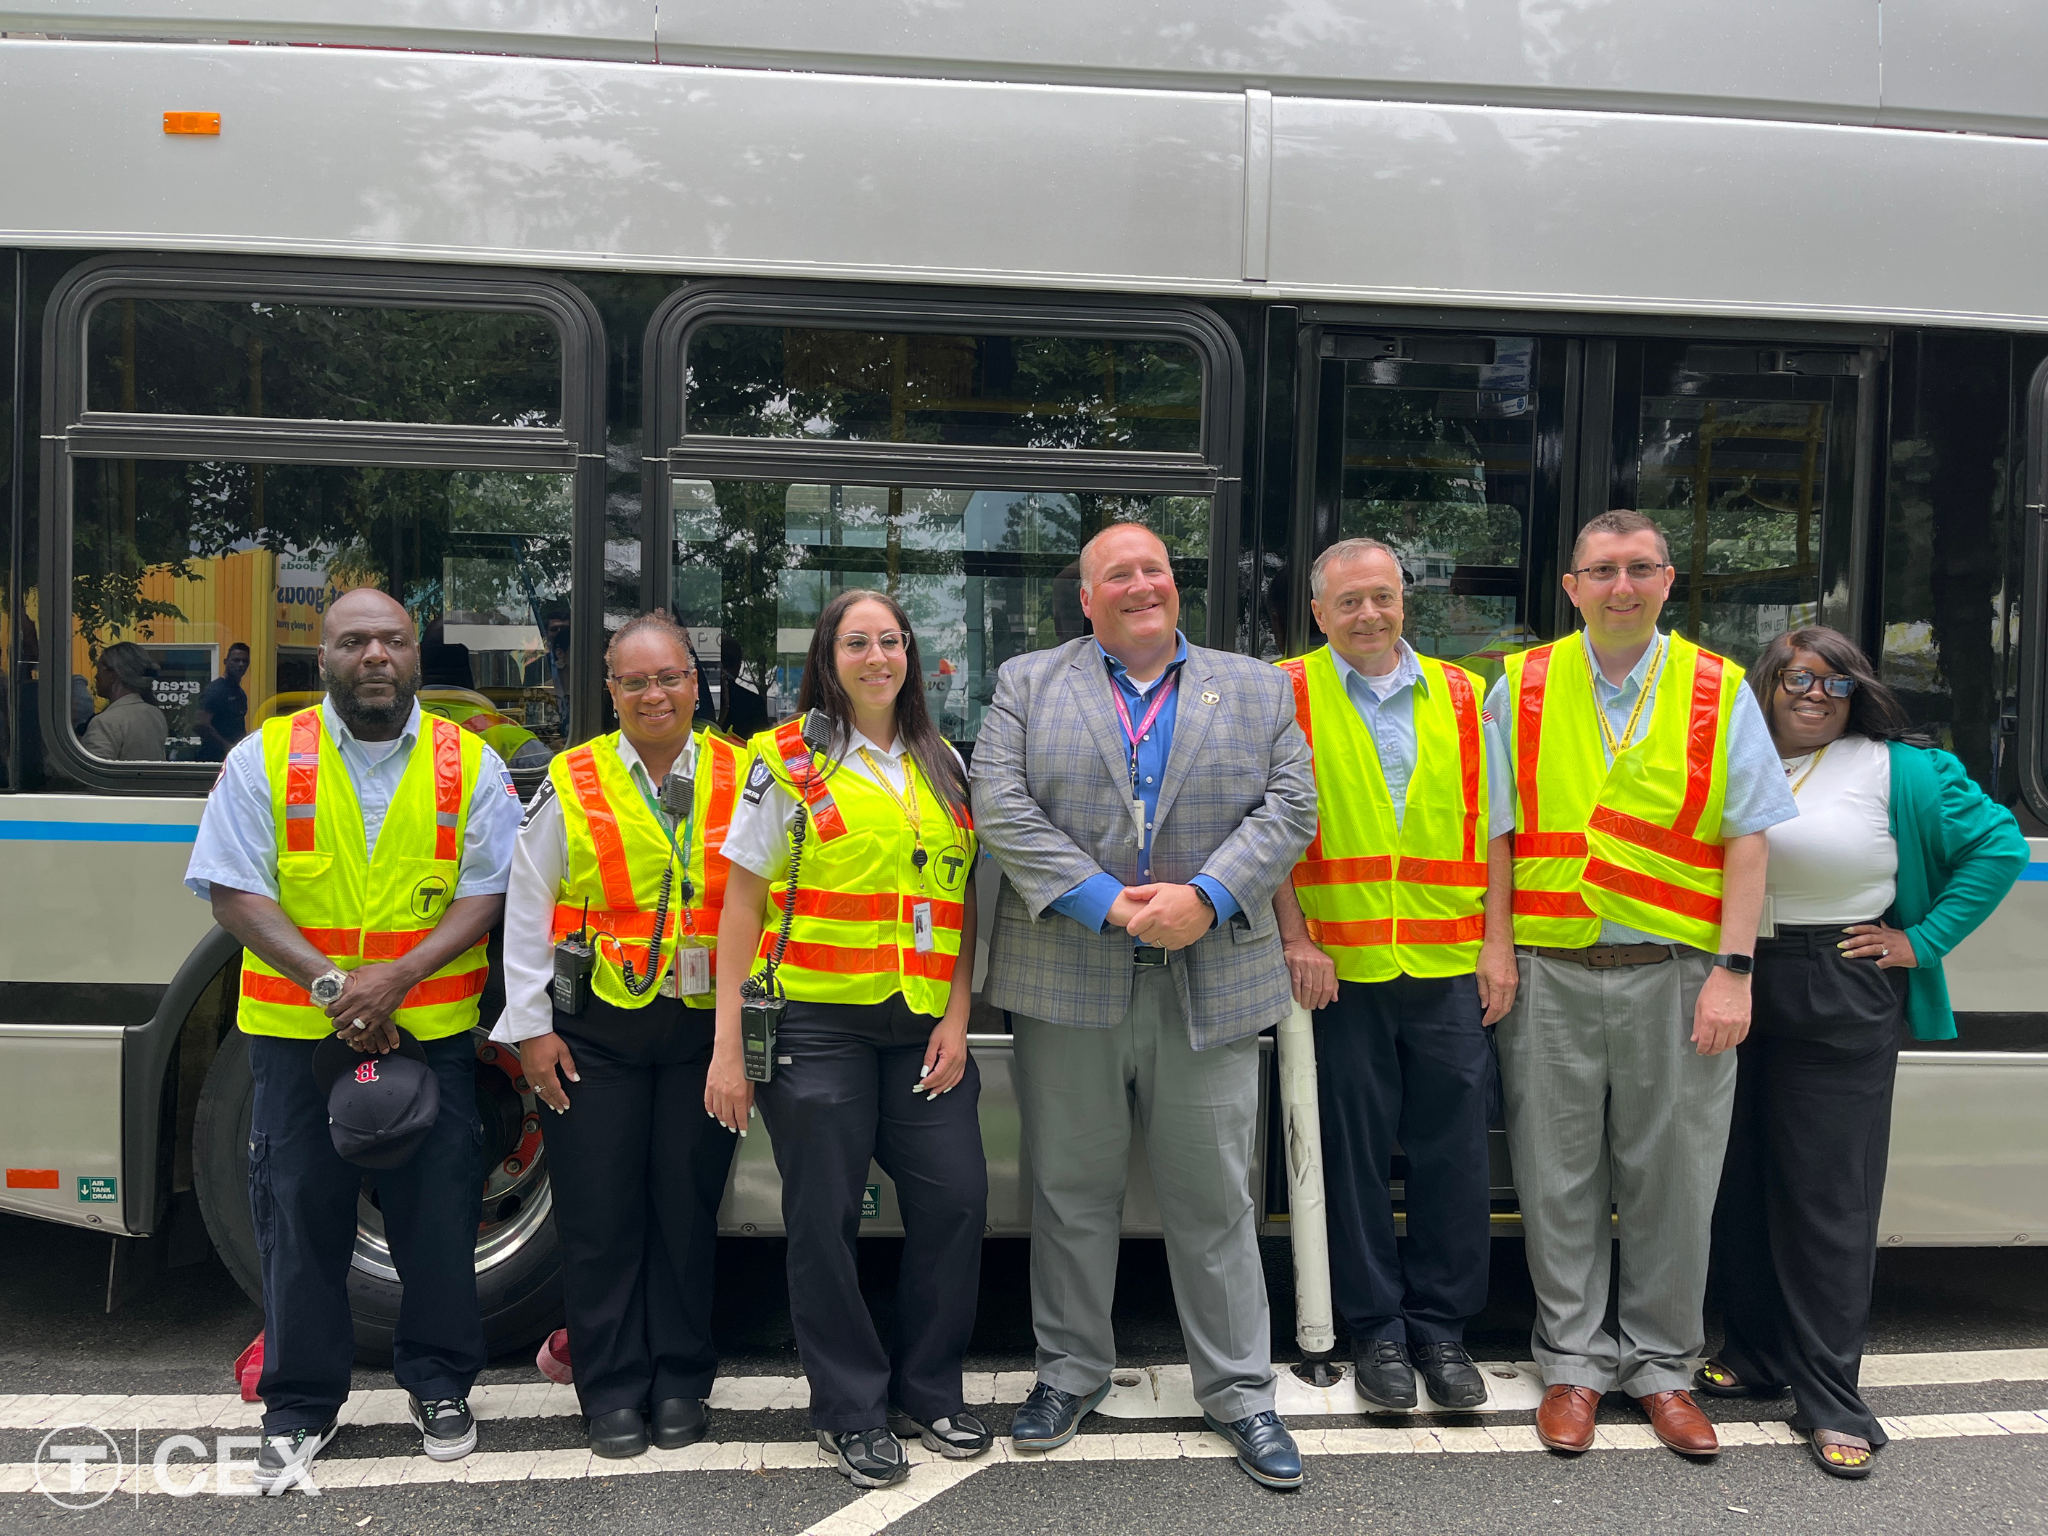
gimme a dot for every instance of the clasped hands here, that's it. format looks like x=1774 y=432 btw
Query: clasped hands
x=373 y=994
x=1170 y=916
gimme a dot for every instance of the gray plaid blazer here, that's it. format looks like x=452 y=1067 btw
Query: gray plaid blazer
x=1052 y=793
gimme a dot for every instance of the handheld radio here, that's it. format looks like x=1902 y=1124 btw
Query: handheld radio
x=761 y=997
x=574 y=961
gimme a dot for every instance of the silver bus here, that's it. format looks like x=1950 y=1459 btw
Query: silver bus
x=537 y=316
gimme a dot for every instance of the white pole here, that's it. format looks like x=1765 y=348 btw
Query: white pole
x=1314 y=1327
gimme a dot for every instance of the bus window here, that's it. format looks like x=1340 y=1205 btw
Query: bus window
x=199 y=589
x=989 y=391
x=984 y=574
x=312 y=362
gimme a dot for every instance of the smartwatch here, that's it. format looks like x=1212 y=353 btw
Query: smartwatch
x=1740 y=965
x=326 y=989
x=1203 y=897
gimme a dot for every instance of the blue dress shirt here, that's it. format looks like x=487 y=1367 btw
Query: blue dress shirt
x=237 y=841
x=1392 y=723
x=1089 y=902
x=1757 y=794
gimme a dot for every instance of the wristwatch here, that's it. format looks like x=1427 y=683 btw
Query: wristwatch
x=1203 y=897
x=1739 y=965
x=326 y=989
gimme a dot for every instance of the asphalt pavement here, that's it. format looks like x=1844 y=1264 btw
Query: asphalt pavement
x=1972 y=1405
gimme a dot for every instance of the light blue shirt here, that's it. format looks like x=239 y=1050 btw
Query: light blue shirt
x=1089 y=902
x=237 y=842
x=1392 y=723
x=1757 y=793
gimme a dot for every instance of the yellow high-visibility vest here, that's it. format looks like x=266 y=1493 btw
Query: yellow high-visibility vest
x=1637 y=842
x=618 y=850
x=853 y=939
x=1384 y=901
x=356 y=907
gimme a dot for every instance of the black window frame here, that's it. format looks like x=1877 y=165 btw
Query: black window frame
x=1213 y=471
x=574 y=447
x=2033 y=696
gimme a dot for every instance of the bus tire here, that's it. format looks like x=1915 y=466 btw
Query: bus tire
x=519 y=1287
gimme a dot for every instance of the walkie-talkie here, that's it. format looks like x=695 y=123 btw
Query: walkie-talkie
x=761 y=997
x=678 y=793
x=574 y=961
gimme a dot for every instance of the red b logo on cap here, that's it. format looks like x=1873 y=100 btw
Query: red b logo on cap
x=367 y=1072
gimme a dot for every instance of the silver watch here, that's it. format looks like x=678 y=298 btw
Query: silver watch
x=326 y=989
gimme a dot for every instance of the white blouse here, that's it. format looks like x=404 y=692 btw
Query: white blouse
x=1836 y=861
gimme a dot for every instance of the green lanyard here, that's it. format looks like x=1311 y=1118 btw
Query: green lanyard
x=681 y=853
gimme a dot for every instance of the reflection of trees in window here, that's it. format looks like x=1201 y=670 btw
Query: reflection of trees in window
x=1416 y=472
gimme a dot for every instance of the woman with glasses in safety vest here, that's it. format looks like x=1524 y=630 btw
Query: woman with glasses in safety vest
x=611 y=932
x=875 y=958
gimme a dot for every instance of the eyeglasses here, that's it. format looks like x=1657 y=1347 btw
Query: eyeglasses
x=668 y=682
x=1797 y=680
x=1606 y=571
x=892 y=642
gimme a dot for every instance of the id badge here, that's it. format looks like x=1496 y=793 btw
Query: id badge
x=1138 y=820
x=1767 y=919
x=921 y=927
x=690 y=975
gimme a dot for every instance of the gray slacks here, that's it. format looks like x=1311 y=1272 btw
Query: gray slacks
x=1077 y=1092
x=1609 y=1102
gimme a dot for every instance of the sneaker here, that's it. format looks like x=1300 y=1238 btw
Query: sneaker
x=447 y=1432
x=284 y=1458
x=867 y=1458
x=958 y=1438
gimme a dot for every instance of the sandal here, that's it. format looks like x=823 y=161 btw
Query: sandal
x=1847 y=1458
x=1716 y=1380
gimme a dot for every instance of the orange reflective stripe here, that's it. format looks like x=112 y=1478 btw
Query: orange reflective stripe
x=1297 y=673
x=1440 y=872
x=447 y=790
x=604 y=831
x=1647 y=834
x=835 y=959
x=260 y=987
x=1550 y=845
x=931 y=966
x=302 y=782
x=1465 y=707
x=628 y=925
x=1551 y=904
x=1529 y=729
x=1702 y=735
x=334 y=942
x=1352 y=935
x=801 y=767
x=945 y=914
x=1661 y=894
x=725 y=793
x=841 y=906
x=1359 y=871
x=390 y=946
x=1443 y=930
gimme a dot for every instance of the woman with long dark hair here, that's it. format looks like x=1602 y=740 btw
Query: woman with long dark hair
x=852 y=861
x=1895 y=857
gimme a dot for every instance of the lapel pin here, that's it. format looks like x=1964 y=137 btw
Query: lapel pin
x=1210 y=696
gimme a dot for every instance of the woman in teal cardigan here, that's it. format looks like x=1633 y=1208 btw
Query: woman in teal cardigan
x=1894 y=859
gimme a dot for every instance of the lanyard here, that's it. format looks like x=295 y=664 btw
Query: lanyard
x=1628 y=732
x=675 y=852
x=1800 y=782
x=1136 y=734
x=907 y=804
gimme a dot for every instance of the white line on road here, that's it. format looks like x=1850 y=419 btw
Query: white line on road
x=932 y=1475
x=1140 y=1392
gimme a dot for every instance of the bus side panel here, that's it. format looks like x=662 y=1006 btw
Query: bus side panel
x=94 y=890
x=1969 y=1155
x=1997 y=969
x=60 y=1139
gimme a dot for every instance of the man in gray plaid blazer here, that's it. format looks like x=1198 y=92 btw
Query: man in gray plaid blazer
x=1144 y=798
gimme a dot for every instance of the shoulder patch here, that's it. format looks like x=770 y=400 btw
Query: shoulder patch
x=505 y=779
x=759 y=777
x=541 y=797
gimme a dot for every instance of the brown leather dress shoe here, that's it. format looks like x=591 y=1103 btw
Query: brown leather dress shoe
x=1676 y=1420
x=1564 y=1419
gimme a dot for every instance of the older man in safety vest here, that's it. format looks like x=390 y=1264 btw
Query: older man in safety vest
x=360 y=852
x=1644 y=779
x=1396 y=933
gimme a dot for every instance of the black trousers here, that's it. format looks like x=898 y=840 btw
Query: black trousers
x=1406 y=1060
x=842 y=1096
x=1795 y=1228
x=638 y=1169
x=302 y=1199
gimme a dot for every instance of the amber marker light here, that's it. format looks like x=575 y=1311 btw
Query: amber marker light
x=204 y=123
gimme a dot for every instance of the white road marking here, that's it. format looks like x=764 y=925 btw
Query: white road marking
x=1138 y=1392
x=931 y=1475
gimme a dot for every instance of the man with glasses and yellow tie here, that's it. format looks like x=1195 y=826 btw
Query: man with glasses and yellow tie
x=1644 y=779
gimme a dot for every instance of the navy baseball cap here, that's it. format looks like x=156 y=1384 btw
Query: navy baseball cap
x=379 y=1108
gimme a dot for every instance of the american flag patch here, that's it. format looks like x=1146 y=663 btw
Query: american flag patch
x=505 y=778
x=1486 y=715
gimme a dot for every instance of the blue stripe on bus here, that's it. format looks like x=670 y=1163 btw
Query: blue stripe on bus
x=2035 y=872
x=97 y=832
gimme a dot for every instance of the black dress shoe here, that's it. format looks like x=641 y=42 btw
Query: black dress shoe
x=1448 y=1374
x=618 y=1434
x=1049 y=1417
x=680 y=1421
x=1384 y=1377
x=1264 y=1449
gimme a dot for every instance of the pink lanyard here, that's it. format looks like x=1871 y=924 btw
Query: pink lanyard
x=1138 y=734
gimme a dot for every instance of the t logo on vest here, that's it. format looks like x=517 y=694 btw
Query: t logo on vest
x=426 y=896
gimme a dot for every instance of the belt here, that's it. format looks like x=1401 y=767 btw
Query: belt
x=1147 y=954
x=1601 y=957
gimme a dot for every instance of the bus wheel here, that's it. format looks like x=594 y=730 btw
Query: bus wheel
x=518 y=1259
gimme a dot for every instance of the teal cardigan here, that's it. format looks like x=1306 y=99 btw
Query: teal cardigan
x=1959 y=853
